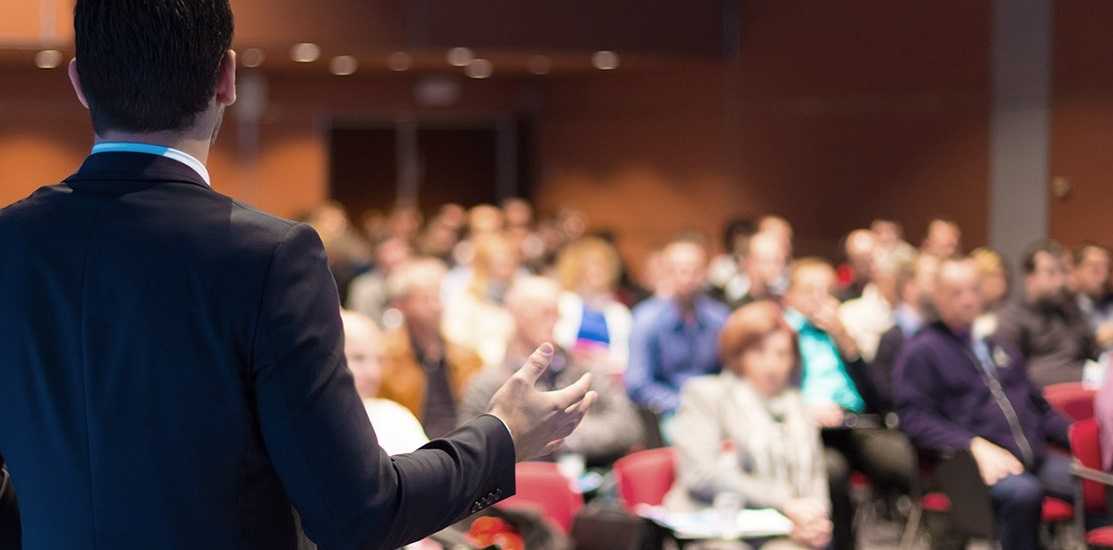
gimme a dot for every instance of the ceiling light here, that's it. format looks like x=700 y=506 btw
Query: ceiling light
x=305 y=52
x=605 y=60
x=399 y=61
x=48 y=59
x=343 y=65
x=252 y=57
x=539 y=64
x=479 y=68
x=460 y=57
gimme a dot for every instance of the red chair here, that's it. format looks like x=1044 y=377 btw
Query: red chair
x=1074 y=400
x=541 y=486
x=1086 y=448
x=645 y=477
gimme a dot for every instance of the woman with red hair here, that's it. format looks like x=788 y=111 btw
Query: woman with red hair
x=745 y=434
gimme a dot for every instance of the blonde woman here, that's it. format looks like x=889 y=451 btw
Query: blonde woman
x=593 y=324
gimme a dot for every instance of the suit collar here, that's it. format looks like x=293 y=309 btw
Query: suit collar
x=106 y=169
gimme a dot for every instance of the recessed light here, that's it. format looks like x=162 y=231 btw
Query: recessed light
x=605 y=60
x=343 y=65
x=253 y=57
x=399 y=61
x=48 y=59
x=305 y=52
x=479 y=68
x=460 y=57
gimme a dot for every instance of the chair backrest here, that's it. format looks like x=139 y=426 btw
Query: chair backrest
x=1072 y=399
x=1086 y=448
x=541 y=486
x=645 y=477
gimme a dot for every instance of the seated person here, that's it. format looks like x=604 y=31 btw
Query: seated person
x=674 y=338
x=1045 y=325
x=1103 y=411
x=775 y=459
x=397 y=429
x=422 y=370
x=913 y=311
x=943 y=389
x=593 y=323
x=611 y=427
x=762 y=272
x=1094 y=296
x=857 y=273
x=993 y=284
x=870 y=315
x=837 y=386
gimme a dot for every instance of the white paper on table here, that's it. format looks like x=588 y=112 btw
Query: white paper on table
x=707 y=524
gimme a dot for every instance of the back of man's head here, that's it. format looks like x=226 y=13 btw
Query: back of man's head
x=150 y=65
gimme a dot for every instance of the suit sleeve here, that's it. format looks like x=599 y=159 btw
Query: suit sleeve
x=349 y=492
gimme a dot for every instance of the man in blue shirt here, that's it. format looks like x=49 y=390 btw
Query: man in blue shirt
x=675 y=338
x=835 y=383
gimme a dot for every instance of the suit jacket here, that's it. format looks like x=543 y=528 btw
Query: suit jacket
x=174 y=378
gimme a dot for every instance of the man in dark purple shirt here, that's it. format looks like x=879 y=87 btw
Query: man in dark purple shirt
x=956 y=393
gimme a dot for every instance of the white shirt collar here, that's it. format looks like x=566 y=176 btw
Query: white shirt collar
x=159 y=150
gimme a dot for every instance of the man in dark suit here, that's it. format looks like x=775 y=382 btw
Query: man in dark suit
x=174 y=371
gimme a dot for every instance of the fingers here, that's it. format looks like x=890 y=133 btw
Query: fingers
x=552 y=447
x=574 y=393
x=537 y=363
x=584 y=405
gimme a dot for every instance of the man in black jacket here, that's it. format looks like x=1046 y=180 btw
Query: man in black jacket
x=174 y=371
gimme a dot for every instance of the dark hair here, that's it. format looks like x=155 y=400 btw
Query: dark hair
x=748 y=326
x=744 y=227
x=1028 y=263
x=149 y=65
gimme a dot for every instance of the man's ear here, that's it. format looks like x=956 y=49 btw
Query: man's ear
x=75 y=81
x=226 y=82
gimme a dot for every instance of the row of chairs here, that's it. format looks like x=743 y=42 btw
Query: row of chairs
x=645 y=477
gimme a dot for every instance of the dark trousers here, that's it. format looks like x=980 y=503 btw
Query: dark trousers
x=1018 y=501
x=884 y=456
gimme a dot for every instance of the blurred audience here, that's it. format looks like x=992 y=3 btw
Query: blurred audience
x=349 y=255
x=761 y=275
x=368 y=294
x=958 y=393
x=943 y=240
x=840 y=392
x=1045 y=325
x=594 y=326
x=611 y=427
x=675 y=337
x=915 y=283
x=1094 y=295
x=1103 y=411
x=474 y=315
x=890 y=240
x=869 y=315
x=773 y=458
x=993 y=286
x=861 y=252
x=780 y=228
x=422 y=370
x=397 y=429
x=725 y=268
